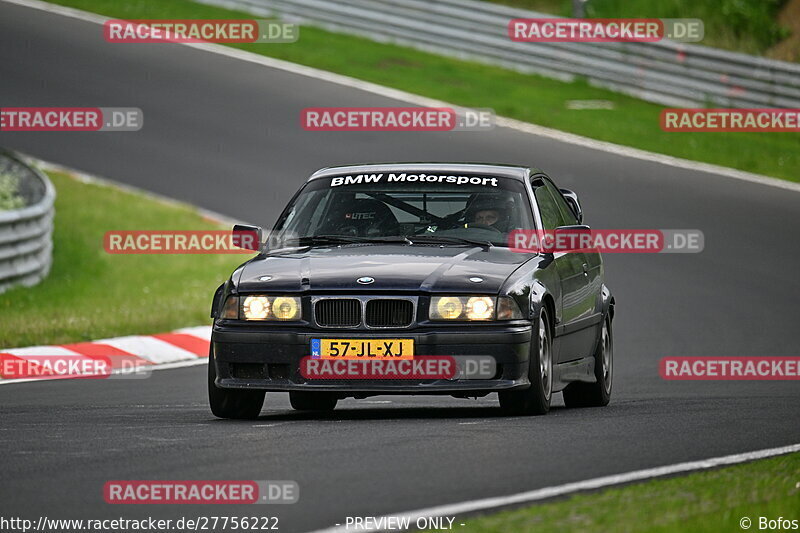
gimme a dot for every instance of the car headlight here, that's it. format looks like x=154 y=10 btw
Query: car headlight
x=447 y=307
x=256 y=307
x=262 y=307
x=473 y=308
x=462 y=308
x=286 y=308
x=480 y=308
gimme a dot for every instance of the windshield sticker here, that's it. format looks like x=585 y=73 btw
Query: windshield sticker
x=360 y=216
x=413 y=178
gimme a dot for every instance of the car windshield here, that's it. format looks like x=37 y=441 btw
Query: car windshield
x=412 y=208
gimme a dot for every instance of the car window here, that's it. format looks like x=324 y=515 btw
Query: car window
x=400 y=205
x=551 y=216
x=566 y=213
x=412 y=207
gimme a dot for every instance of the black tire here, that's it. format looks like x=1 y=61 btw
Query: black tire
x=597 y=394
x=313 y=401
x=232 y=403
x=535 y=400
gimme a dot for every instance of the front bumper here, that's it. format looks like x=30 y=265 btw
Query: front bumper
x=268 y=358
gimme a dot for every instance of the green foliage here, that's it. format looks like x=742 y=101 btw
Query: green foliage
x=9 y=189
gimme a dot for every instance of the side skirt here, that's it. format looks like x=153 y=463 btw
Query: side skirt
x=578 y=370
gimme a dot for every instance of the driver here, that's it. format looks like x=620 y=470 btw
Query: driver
x=486 y=217
x=489 y=211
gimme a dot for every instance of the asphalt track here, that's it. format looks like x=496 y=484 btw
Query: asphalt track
x=224 y=134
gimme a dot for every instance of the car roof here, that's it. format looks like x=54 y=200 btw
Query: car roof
x=505 y=171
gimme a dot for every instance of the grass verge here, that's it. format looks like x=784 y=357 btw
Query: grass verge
x=529 y=98
x=91 y=294
x=710 y=501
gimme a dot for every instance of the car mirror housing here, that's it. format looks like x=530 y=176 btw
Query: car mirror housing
x=247 y=237
x=565 y=238
x=572 y=201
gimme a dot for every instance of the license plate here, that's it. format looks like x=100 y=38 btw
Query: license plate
x=376 y=349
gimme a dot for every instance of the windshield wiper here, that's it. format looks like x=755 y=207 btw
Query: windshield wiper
x=344 y=239
x=327 y=239
x=450 y=240
x=323 y=240
x=388 y=240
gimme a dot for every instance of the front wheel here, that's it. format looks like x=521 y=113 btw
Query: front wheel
x=597 y=394
x=232 y=403
x=535 y=400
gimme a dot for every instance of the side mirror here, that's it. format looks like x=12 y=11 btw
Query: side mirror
x=566 y=239
x=247 y=237
x=573 y=203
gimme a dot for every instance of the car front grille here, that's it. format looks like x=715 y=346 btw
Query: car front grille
x=385 y=313
x=378 y=312
x=338 y=312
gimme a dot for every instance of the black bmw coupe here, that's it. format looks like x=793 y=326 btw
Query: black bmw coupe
x=402 y=279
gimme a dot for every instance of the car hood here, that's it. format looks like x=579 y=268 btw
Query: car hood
x=393 y=267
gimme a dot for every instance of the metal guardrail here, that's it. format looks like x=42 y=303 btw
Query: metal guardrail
x=665 y=72
x=26 y=241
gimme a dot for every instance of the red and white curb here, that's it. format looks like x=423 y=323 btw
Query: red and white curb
x=182 y=347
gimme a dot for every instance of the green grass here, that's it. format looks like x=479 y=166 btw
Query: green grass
x=91 y=294
x=526 y=97
x=710 y=501
x=749 y=26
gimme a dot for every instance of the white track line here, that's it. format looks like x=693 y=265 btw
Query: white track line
x=590 y=484
x=403 y=96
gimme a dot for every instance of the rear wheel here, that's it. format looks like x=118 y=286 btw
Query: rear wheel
x=535 y=400
x=597 y=394
x=232 y=403
x=313 y=401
